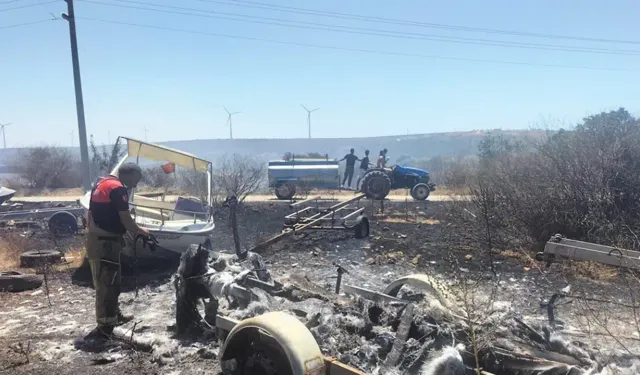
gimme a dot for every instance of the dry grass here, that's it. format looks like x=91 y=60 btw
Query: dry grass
x=11 y=246
x=75 y=256
x=591 y=270
x=410 y=220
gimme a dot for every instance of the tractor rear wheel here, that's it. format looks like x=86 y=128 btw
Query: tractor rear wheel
x=376 y=184
x=420 y=192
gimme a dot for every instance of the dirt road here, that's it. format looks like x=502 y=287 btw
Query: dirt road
x=254 y=198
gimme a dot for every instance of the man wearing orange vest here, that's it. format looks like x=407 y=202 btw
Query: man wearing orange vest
x=108 y=221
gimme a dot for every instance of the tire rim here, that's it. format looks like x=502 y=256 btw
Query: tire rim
x=422 y=192
x=375 y=186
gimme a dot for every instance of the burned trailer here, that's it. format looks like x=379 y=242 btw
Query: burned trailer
x=287 y=177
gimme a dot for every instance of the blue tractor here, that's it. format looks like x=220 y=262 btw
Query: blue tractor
x=378 y=182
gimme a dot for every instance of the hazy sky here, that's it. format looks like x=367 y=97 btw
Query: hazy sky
x=175 y=82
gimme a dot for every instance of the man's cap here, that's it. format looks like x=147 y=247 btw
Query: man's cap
x=129 y=168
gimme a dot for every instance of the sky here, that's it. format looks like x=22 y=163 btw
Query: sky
x=373 y=67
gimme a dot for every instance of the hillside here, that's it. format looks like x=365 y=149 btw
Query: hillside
x=416 y=146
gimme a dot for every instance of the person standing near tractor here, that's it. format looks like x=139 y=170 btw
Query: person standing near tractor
x=364 y=167
x=108 y=221
x=382 y=161
x=351 y=159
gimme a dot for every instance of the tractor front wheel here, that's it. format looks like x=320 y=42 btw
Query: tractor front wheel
x=420 y=192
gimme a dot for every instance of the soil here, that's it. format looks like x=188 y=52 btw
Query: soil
x=408 y=238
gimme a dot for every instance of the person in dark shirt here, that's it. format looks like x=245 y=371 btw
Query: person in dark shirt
x=108 y=220
x=351 y=159
x=364 y=167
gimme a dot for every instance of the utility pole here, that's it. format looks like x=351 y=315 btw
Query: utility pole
x=82 y=128
x=4 y=136
x=309 y=117
x=229 y=121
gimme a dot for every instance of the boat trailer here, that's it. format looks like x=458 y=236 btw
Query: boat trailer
x=308 y=214
x=61 y=221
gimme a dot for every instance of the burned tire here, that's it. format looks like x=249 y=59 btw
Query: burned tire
x=420 y=192
x=285 y=190
x=376 y=184
x=17 y=282
x=30 y=259
x=63 y=224
x=362 y=227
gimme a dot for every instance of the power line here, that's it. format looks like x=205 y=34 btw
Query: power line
x=25 y=24
x=10 y=1
x=362 y=31
x=336 y=48
x=28 y=6
x=353 y=16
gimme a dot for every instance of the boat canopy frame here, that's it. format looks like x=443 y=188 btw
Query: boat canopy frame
x=138 y=149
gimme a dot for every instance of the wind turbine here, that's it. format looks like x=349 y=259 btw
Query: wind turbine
x=309 y=117
x=72 y=138
x=146 y=131
x=229 y=121
x=4 y=135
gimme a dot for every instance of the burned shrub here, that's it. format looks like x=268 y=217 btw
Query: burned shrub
x=582 y=182
x=48 y=168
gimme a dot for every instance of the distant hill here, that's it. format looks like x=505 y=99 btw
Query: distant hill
x=415 y=146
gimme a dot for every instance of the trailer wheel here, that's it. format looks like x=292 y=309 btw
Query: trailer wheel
x=274 y=343
x=362 y=227
x=285 y=190
x=63 y=224
x=420 y=192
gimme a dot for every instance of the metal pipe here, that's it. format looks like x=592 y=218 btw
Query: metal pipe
x=354 y=213
x=292 y=205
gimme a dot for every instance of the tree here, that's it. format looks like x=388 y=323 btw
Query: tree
x=48 y=167
x=104 y=160
x=239 y=175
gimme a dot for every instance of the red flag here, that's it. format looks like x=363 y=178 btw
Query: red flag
x=169 y=168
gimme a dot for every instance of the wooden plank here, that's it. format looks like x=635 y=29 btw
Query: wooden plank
x=401 y=336
x=580 y=253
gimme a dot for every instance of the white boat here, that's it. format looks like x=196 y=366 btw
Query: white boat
x=6 y=194
x=175 y=224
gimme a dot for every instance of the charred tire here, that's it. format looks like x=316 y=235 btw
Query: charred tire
x=17 y=282
x=285 y=190
x=362 y=227
x=30 y=259
x=63 y=224
x=420 y=192
x=376 y=185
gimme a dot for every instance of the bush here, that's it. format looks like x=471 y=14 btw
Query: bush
x=48 y=168
x=583 y=183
